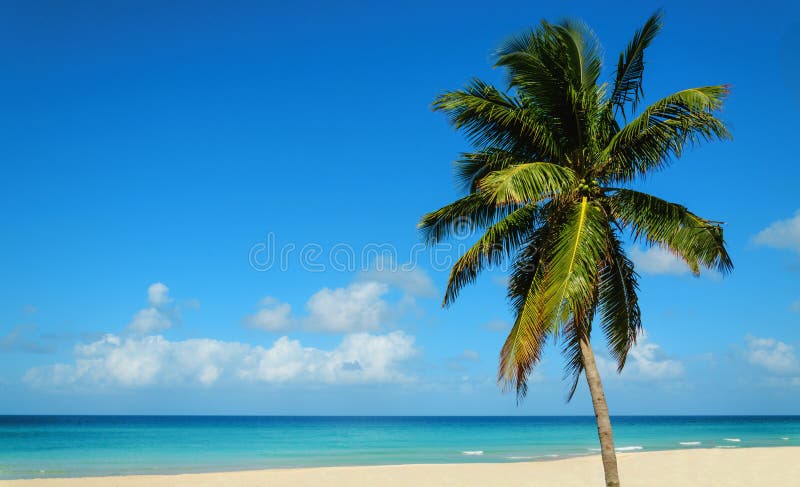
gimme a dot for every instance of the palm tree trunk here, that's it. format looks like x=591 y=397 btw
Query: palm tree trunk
x=601 y=415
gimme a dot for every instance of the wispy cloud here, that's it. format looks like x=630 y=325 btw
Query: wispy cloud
x=772 y=355
x=18 y=341
x=782 y=234
x=467 y=356
x=500 y=326
x=411 y=280
x=656 y=260
x=30 y=309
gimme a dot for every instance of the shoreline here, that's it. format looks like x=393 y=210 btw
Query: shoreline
x=763 y=466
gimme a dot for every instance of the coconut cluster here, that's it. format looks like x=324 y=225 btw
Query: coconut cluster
x=588 y=186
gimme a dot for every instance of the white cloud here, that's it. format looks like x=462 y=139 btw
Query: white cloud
x=154 y=360
x=498 y=325
x=158 y=295
x=272 y=316
x=413 y=281
x=158 y=316
x=357 y=307
x=646 y=361
x=470 y=355
x=782 y=234
x=360 y=306
x=18 y=340
x=459 y=362
x=149 y=320
x=656 y=260
x=773 y=355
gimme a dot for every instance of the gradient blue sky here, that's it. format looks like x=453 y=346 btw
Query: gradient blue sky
x=152 y=150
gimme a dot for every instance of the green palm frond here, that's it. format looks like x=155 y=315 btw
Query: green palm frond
x=528 y=183
x=566 y=283
x=583 y=54
x=630 y=68
x=662 y=131
x=473 y=166
x=527 y=262
x=523 y=347
x=497 y=243
x=521 y=352
x=571 y=338
x=492 y=119
x=555 y=68
x=618 y=302
x=699 y=242
x=462 y=217
x=571 y=275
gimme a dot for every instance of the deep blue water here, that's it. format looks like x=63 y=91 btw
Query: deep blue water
x=66 y=446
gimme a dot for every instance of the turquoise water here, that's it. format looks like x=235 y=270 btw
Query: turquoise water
x=67 y=446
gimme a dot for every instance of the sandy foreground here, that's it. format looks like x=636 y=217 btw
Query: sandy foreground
x=779 y=467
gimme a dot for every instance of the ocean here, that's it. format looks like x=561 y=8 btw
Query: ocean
x=72 y=446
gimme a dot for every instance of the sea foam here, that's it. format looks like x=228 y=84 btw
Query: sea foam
x=472 y=452
x=689 y=443
x=735 y=440
x=621 y=448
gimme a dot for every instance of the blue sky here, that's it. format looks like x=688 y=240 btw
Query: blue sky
x=154 y=156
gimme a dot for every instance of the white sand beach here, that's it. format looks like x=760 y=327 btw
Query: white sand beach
x=764 y=467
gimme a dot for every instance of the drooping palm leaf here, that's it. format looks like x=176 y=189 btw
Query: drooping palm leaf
x=618 y=302
x=462 y=217
x=521 y=352
x=699 y=242
x=571 y=275
x=497 y=243
x=555 y=290
x=523 y=347
x=574 y=332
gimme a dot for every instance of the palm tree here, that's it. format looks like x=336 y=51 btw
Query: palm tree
x=548 y=185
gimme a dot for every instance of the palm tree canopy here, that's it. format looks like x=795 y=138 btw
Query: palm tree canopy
x=548 y=186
